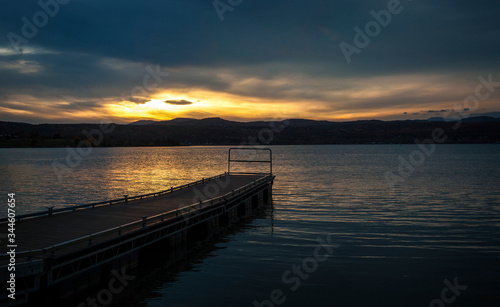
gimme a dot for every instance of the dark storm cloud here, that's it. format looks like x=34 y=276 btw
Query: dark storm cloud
x=178 y=102
x=138 y=100
x=180 y=33
x=100 y=49
x=435 y=111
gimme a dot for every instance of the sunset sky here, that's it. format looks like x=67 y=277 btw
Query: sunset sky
x=86 y=61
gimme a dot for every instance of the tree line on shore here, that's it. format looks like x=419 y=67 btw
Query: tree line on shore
x=222 y=132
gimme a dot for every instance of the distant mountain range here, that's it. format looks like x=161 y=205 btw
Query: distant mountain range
x=218 y=131
x=294 y=122
x=474 y=119
x=217 y=121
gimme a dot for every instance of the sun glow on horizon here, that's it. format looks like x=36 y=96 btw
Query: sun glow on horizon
x=379 y=98
x=152 y=109
x=201 y=104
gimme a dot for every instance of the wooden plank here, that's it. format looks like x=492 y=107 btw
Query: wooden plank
x=42 y=232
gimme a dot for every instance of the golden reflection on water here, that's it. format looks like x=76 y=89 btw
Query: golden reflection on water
x=446 y=215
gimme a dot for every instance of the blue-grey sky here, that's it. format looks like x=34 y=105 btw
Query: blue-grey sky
x=83 y=61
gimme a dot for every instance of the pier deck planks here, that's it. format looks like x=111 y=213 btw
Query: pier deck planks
x=42 y=232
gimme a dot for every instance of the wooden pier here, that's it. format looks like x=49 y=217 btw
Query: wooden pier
x=67 y=251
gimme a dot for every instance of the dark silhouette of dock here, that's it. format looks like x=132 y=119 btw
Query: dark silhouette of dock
x=68 y=249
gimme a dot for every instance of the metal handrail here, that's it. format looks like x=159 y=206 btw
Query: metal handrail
x=270 y=161
x=109 y=202
x=160 y=218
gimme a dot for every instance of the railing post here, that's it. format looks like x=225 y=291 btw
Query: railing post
x=171 y=189
x=50 y=210
x=229 y=161
x=270 y=161
x=126 y=197
x=144 y=221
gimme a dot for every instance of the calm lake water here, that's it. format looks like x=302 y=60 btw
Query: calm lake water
x=433 y=240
